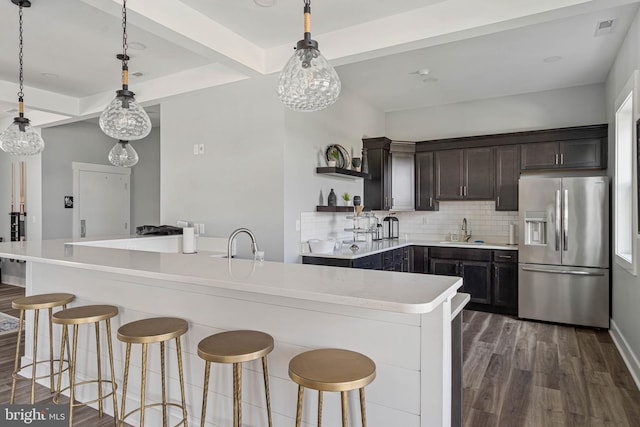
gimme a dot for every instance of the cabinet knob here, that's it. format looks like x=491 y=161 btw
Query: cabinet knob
x=556 y=162
x=430 y=202
x=504 y=256
x=562 y=159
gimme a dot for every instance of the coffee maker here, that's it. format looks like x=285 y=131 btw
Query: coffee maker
x=391 y=227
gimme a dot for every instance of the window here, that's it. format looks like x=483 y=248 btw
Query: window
x=624 y=238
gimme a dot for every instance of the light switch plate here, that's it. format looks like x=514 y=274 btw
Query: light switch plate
x=195 y=149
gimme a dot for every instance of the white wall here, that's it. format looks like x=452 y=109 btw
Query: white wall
x=85 y=142
x=238 y=181
x=308 y=134
x=626 y=287
x=258 y=170
x=576 y=106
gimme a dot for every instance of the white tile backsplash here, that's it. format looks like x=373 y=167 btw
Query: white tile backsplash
x=483 y=222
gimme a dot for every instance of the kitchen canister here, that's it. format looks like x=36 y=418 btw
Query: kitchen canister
x=512 y=233
x=188 y=240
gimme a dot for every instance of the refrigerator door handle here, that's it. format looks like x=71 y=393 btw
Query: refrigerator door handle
x=558 y=216
x=565 y=221
x=573 y=272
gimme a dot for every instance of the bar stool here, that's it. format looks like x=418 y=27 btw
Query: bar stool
x=148 y=331
x=235 y=347
x=332 y=370
x=37 y=303
x=77 y=316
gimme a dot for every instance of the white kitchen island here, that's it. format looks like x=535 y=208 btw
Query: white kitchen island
x=400 y=320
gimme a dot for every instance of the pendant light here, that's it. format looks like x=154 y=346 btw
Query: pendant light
x=123 y=155
x=308 y=82
x=124 y=118
x=20 y=138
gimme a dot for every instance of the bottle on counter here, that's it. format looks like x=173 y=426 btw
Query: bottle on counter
x=332 y=200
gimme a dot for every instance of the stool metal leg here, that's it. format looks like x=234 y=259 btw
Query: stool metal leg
x=124 y=382
x=36 y=314
x=16 y=364
x=319 y=408
x=343 y=394
x=299 y=410
x=207 y=371
x=63 y=341
x=180 y=373
x=235 y=395
x=164 y=387
x=239 y=394
x=99 y=370
x=113 y=374
x=51 y=389
x=143 y=383
x=363 y=412
x=72 y=374
x=265 y=373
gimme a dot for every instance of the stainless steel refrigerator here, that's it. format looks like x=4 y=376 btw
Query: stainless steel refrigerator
x=563 y=273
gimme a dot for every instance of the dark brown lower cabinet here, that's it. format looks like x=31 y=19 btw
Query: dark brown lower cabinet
x=476 y=277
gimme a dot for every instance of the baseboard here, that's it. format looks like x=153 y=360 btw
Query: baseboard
x=630 y=359
x=14 y=280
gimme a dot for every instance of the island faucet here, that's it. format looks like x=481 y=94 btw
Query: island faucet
x=466 y=236
x=254 y=245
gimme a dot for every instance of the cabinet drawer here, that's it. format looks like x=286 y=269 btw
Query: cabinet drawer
x=461 y=254
x=505 y=256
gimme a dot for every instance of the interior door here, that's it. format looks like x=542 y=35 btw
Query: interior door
x=102 y=198
x=585 y=228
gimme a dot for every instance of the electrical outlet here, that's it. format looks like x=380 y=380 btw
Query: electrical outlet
x=195 y=149
x=201 y=148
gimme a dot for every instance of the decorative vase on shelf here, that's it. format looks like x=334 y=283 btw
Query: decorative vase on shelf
x=332 y=199
x=356 y=162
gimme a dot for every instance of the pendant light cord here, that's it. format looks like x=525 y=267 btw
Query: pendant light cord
x=125 y=58
x=21 y=76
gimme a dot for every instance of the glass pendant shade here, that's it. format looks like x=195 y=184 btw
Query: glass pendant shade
x=123 y=155
x=308 y=82
x=21 y=139
x=125 y=119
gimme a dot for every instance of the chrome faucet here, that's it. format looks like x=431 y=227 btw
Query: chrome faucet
x=466 y=236
x=254 y=245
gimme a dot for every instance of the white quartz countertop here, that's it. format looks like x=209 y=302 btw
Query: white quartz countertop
x=371 y=248
x=380 y=290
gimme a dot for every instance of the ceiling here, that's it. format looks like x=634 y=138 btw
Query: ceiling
x=473 y=49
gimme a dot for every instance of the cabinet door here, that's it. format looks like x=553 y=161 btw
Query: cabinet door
x=387 y=261
x=478 y=174
x=505 y=287
x=583 y=153
x=449 y=181
x=377 y=189
x=370 y=262
x=540 y=156
x=507 y=175
x=476 y=278
x=425 y=200
x=403 y=181
x=445 y=267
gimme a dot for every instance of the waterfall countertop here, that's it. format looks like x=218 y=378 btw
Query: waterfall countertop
x=371 y=248
x=382 y=290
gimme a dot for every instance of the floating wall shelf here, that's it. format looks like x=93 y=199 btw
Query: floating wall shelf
x=341 y=173
x=334 y=208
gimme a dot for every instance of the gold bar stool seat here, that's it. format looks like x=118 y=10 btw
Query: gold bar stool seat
x=145 y=332
x=75 y=317
x=332 y=369
x=235 y=347
x=37 y=303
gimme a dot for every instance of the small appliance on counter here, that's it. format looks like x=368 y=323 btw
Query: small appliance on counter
x=391 y=227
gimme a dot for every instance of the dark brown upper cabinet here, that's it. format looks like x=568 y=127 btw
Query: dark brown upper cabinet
x=425 y=194
x=465 y=174
x=507 y=175
x=377 y=189
x=571 y=154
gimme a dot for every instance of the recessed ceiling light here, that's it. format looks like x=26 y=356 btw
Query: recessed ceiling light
x=137 y=74
x=50 y=75
x=550 y=59
x=136 y=46
x=265 y=3
x=421 y=72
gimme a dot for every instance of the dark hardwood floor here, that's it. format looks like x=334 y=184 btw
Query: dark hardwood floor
x=82 y=415
x=516 y=373
x=531 y=374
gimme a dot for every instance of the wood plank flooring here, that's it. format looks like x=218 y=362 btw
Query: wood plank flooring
x=82 y=416
x=531 y=374
x=516 y=373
